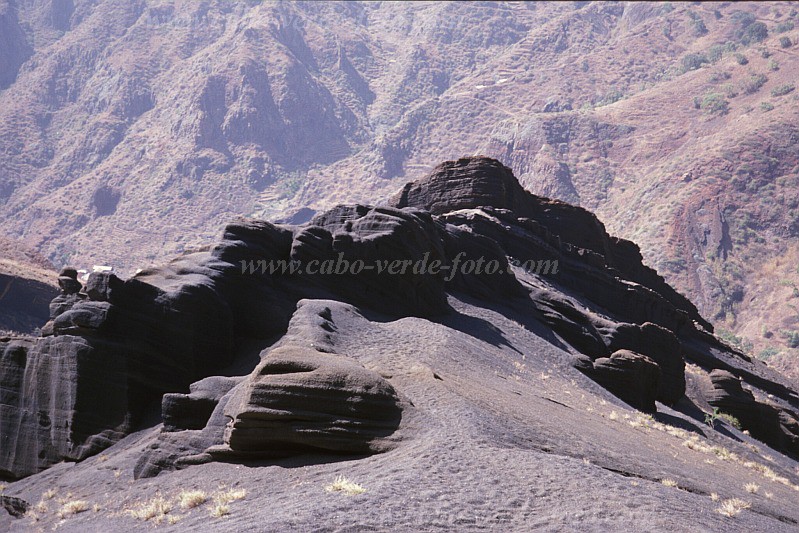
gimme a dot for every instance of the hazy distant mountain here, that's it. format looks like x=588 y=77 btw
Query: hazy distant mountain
x=130 y=131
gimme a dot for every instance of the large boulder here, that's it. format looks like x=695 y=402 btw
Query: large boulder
x=299 y=400
x=632 y=377
x=660 y=345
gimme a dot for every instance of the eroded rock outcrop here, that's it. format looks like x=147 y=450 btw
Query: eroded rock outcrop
x=769 y=423
x=631 y=376
x=115 y=347
x=299 y=399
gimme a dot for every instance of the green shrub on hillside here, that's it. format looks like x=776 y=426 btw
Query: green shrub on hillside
x=714 y=104
x=782 y=90
x=697 y=24
x=693 y=62
x=753 y=83
x=754 y=33
x=715 y=53
x=785 y=42
x=729 y=90
x=767 y=353
x=719 y=75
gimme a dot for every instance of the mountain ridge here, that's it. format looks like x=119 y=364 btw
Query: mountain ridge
x=308 y=374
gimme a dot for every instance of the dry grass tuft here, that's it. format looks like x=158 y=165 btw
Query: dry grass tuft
x=73 y=507
x=155 y=510
x=714 y=496
x=752 y=488
x=668 y=482
x=733 y=507
x=50 y=494
x=219 y=510
x=230 y=495
x=342 y=484
x=188 y=499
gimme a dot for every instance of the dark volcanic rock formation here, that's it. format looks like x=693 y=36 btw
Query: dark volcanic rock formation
x=480 y=181
x=632 y=377
x=300 y=399
x=16 y=507
x=117 y=346
x=775 y=426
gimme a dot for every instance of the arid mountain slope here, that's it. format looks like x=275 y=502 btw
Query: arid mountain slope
x=590 y=396
x=130 y=131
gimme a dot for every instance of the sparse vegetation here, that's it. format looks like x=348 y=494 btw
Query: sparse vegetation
x=714 y=104
x=753 y=83
x=782 y=27
x=785 y=42
x=752 y=488
x=773 y=65
x=155 y=509
x=220 y=509
x=733 y=507
x=230 y=495
x=741 y=59
x=729 y=90
x=782 y=90
x=291 y=183
x=710 y=418
x=188 y=499
x=719 y=75
x=754 y=33
x=668 y=482
x=766 y=107
x=693 y=62
x=715 y=53
x=767 y=353
x=611 y=97
x=342 y=484
x=792 y=338
x=73 y=507
x=697 y=24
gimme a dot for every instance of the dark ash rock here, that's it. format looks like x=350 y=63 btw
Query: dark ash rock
x=299 y=399
x=777 y=427
x=142 y=341
x=16 y=507
x=632 y=377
